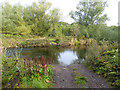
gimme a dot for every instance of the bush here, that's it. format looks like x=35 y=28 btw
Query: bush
x=104 y=60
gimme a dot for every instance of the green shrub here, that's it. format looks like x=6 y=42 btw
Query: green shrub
x=104 y=61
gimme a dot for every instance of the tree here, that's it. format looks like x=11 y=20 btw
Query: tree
x=54 y=18
x=8 y=26
x=35 y=19
x=11 y=18
x=90 y=18
x=65 y=28
x=75 y=30
x=89 y=13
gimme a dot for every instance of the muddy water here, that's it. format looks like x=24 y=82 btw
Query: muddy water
x=57 y=55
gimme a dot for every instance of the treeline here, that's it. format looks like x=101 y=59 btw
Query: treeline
x=38 y=19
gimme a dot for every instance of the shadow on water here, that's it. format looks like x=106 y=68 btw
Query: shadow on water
x=57 y=55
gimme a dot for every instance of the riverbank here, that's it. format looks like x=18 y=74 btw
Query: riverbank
x=12 y=42
x=36 y=41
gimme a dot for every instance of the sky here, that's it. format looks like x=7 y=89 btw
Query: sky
x=67 y=5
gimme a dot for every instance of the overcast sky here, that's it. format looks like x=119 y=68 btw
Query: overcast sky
x=67 y=5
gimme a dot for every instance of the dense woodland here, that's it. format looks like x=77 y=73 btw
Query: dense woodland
x=38 y=24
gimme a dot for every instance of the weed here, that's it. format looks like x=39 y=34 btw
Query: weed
x=80 y=79
x=74 y=69
x=26 y=72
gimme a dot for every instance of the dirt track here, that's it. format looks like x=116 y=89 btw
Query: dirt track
x=63 y=77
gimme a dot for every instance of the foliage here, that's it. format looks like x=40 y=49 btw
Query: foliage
x=104 y=61
x=80 y=79
x=36 y=19
x=89 y=13
x=26 y=73
x=90 y=22
x=39 y=20
x=38 y=25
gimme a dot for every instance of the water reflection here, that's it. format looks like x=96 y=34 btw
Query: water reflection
x=67 y=57
x=57 y=55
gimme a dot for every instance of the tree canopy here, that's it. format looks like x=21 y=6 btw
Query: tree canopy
x=36 y=19
x=89 y=13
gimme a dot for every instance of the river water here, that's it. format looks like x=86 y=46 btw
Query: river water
x=57 y=55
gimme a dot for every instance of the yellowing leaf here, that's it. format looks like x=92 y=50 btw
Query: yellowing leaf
x=47 y=81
